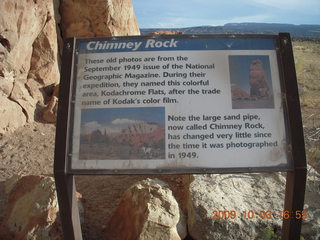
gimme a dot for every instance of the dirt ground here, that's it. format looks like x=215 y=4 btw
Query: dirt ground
x=30 y=150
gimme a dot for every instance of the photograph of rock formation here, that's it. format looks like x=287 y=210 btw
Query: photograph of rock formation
x=251 y=81
x=122 y=133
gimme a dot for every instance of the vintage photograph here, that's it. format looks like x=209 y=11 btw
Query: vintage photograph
x=251 y=81
x=122 y=133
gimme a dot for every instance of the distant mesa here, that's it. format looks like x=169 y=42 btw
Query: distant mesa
x=297 y=31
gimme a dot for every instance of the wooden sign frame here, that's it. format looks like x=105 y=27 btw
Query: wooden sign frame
x=296 y=175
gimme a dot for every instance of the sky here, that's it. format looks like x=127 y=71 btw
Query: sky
x=190 y=13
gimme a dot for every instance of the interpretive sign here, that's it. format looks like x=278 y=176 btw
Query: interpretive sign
x=177 y=103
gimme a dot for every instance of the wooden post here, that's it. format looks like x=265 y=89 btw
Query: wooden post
x=65 y=183
x=296 y=179
x=68 y=206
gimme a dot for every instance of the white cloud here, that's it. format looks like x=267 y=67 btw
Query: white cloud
x=116 y=126
x=124 y=121
x=88 y=127
x=93 y=124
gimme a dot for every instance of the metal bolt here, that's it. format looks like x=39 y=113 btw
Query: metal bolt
x=285 y=41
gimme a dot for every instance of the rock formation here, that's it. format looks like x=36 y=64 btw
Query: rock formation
x=258 y=80
x=32 y=208
x=147 y=211
x=238 y=193
x=49 y=114
x=29 y=48
x=98 y=18
x=242 y=193
x=143 y=134
x=28 y=58
x=140 y=128
x=238 y=93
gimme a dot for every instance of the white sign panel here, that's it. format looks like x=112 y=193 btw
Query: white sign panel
x=177 y=103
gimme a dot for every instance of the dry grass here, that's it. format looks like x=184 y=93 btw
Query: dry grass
x=307 y=60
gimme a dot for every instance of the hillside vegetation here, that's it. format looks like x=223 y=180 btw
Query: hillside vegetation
x=307 y=61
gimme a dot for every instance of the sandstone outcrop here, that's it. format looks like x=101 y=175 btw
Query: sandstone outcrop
x=98 y=18
x=258 y=81
x=10 y=110
x=241 y=193
x=147 y=210
x=49 y=113
x=238 y=93
x=32 y=208
x=238 y=193
x=28 y=57
x=29 y=48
